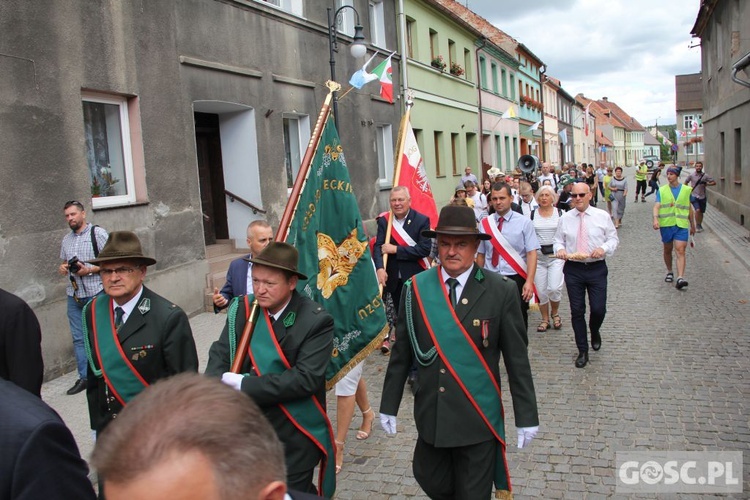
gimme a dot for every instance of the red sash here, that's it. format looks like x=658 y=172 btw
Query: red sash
x=403 y=239
x=506 y=251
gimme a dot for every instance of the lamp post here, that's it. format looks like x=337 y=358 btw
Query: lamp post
x=357 y=49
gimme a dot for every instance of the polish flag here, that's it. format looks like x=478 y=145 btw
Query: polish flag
x=414 y=176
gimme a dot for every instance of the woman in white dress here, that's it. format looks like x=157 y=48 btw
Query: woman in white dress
x=549 y=270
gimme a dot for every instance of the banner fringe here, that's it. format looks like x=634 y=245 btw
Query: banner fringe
x=374 y=344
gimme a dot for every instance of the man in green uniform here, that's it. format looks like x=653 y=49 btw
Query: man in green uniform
x=456 y=320
x=133 y=336
x=284 y=368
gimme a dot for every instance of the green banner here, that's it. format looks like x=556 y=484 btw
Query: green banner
x=335 y=255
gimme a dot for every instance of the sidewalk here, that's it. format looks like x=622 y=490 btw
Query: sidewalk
x=671 y=375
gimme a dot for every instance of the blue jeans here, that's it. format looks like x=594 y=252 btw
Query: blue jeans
x=75 y=319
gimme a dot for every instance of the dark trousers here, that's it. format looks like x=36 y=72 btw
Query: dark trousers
x=524 y=305
x=654 y=185
x=580 y=278
x=640 y=188
x=464 y=472
x=303 y=481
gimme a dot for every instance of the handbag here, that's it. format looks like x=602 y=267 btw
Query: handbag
x=611 y=197
x=547 y=250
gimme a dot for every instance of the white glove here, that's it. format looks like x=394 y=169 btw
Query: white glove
x=526 y=434
x=388 y=423
x=233 y=380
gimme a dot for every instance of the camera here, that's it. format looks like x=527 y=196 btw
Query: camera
x=74 y=265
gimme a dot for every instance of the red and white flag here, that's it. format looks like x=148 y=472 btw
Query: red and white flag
x=414 y=176
x=694 y=127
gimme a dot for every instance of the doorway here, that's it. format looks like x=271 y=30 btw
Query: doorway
x=211 y=177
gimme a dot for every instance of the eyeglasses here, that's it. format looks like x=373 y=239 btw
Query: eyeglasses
x=120 y=271
x=73 y=203
x=578 y=195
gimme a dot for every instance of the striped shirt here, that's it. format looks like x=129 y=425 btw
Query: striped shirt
x=79 y=245
x=545 y=227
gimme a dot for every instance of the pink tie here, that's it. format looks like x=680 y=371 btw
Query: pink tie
x=582 y=243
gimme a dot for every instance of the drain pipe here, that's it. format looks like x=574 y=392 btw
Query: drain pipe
x=481 y=114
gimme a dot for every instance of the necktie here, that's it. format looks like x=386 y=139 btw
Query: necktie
x=119 y=313
x=582 y=243
x=452 y=285
x=495 y=255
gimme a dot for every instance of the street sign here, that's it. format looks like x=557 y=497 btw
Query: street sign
x=674 y=148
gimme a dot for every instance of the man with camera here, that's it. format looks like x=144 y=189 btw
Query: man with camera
x=698 y=180
x=79 y=247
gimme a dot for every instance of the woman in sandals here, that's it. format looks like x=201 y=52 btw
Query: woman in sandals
x=350 y=389
x=549 y=270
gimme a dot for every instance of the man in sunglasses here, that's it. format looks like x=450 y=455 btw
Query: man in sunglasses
x=79 y=247
x=584 y=236
x=134 y=337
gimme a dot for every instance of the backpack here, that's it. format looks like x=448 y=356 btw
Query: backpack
x=94 y=243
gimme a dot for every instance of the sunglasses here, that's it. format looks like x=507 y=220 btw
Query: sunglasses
x=578 y=195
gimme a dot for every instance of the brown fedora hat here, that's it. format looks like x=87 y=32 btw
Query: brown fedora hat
x=122 y=245
x=456 y=220
x=279 y=255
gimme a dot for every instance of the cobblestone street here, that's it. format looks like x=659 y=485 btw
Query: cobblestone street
x=670 y=376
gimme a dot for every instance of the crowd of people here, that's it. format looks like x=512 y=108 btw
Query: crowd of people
x=461 y=294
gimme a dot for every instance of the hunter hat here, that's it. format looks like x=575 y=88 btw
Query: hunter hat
x=460 y=187
x=279 y=255
x=123 y=245
x=566 y=179
x=456 y=220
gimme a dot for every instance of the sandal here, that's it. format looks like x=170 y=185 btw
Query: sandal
x=542 y=326
x=669 y=278
x=339 y=455
x=366 y=428
x=557 y=322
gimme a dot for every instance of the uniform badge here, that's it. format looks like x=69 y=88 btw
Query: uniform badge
x=464 y=301
x=486 y=333
x=475 y=322
x=289 y=319
x=479 y=275
x=144 y=306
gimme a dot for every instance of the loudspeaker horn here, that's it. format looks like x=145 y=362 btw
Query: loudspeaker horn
x=528 y=164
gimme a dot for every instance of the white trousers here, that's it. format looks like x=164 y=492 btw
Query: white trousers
x=549 y=278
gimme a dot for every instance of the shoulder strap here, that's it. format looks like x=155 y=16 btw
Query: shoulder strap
x=532 y=214
x=94 y=243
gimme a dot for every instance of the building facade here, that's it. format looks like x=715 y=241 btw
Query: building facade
x=724 y=29
x=179 y=120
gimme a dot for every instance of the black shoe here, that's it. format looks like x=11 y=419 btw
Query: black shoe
x=582 y=359
x=596 y=341
x=681 y=283
x=79 y=386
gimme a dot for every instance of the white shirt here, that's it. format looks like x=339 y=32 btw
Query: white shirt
x=462 y=279
x=601 y=232
x=128 y=306
x=276 y=316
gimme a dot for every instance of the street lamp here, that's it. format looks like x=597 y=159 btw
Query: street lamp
x=358 y=48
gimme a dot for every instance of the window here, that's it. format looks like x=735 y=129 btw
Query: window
x=467 y=64
x=296 y=135
x=108 y=150
x=512 y=88
x=345 y=19
x=451 y=53
x=384 y=146
x=493 y=72
x=737 y=156
x=411 y=26
x=472 y=151
x=687 y=122
x=434 y=49
x=377 y=24
x=454 y=153
x=507 y=154
x=722 y=156
x=438 y=139
x=482 y=72
x=503 y=82
x=292 y=6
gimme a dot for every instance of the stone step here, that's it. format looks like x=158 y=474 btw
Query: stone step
x=221 y=247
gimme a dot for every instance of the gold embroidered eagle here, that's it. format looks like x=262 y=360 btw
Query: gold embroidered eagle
x=336 y=262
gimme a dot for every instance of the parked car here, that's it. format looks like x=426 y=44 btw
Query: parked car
x=652 y=162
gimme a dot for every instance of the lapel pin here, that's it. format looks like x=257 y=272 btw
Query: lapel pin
x=144 y=306
x=475 y=322
x=289 y=319
x=464 y=301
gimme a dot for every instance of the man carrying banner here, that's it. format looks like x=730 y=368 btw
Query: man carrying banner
x=408 y=249
x=456 y=320
x=511 y=248
x=133 y=337
x=284 y=371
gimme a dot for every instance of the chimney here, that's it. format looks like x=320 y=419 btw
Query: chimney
x=604 y=99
